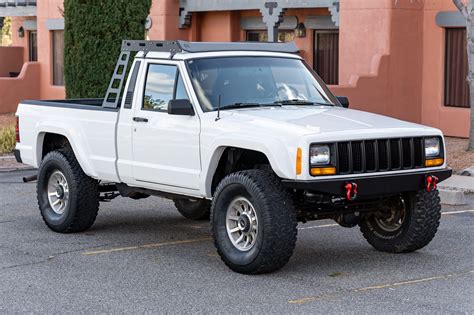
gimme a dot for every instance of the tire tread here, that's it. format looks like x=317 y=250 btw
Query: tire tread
x=424 y=223
x=280 y=226
x=86 y=188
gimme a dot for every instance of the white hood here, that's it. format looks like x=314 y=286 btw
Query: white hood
x=324 y=120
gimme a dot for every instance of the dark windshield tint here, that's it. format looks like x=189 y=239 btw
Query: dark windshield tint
x=263 y=80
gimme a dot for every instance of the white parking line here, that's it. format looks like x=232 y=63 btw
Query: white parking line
x=333 y=225
x=458 y=211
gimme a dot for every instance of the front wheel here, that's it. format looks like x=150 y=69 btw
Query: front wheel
x=410 y=223
x=253 y=222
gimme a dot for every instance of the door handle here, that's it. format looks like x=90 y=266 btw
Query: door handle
x=140 y=119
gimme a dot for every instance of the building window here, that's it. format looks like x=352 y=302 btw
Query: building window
x=33 y=46
x=262 y=36
x=326 y=55
x=456 y=90
x=58 y=57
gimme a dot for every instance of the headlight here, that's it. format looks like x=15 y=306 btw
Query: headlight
x=432 y=147
x=320 y=155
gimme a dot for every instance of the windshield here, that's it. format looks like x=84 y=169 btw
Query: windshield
x=256 y=81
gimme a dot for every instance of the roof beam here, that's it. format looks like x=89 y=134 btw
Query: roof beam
x=190 y=6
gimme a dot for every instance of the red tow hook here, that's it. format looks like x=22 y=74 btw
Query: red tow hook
x=431 y=183
x=351 y=191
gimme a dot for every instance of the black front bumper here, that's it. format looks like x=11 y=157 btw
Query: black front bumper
x=370 y=186
x=17 y=156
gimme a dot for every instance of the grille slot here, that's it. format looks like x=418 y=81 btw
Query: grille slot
x=370 y=164
x=418 y=147
x=407 y=153
x=383 y=155
x=394 y=154
x=343 y=157
x=379 y=155
x=357 y=156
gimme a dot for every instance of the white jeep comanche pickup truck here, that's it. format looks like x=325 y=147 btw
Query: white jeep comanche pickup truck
x=245 y=134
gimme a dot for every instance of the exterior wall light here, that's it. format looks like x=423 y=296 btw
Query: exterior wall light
x=21 y=32
x=300 y=30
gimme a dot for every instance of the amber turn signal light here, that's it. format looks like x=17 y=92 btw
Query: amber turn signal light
x=299 y=156
x=319 y=171
x=434 y=162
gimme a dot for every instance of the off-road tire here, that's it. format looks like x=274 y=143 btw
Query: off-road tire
x=83 y=204
x=423 y=213
x=275 y=211
x=193 y=209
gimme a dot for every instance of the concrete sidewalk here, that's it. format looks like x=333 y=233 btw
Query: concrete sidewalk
x=453 y=190
x=458 y=182
x=8 y=163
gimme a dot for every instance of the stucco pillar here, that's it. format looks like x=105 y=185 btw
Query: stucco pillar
x=272 y=14
x=165 y=19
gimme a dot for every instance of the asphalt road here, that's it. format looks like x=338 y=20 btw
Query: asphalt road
x=142 y=256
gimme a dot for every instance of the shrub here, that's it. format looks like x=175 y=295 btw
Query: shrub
x=93 y=34
x=7 y=140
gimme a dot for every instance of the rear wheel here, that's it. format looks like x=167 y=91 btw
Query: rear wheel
x=253 y=222
x=68 y=199
x=194 y=209
x=410 y=224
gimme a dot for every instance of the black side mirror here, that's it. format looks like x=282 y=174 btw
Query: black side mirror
x=180 y=107
x=343 y=100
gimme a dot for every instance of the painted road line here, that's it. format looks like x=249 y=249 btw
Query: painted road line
x=379 y=287
x=457 y=212
x=156 y=245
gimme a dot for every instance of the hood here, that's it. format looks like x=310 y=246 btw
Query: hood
x=323 y=119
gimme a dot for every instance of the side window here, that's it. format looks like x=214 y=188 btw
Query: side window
x=181 y=93
x=159 y=87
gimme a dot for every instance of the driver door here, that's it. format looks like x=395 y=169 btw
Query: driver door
x=165 y=147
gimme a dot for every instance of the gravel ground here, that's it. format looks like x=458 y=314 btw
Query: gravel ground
x=458 y=156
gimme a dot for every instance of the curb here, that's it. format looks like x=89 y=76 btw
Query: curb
x=10 y=169
x=452 y=197
x=15 y=167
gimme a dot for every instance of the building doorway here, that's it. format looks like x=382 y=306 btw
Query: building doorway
x=32 y=46
x=326 y=55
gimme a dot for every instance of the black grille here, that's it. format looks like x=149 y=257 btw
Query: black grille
x=379 y=155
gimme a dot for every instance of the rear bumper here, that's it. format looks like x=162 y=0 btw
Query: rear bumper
x=370 y=186
x=17 y=156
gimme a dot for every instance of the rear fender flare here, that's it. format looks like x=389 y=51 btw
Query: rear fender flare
x=75 y=139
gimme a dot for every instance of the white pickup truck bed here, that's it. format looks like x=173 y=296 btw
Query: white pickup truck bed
x=92 y=127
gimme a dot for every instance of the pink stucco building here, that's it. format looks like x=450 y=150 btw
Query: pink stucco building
x=401 y=58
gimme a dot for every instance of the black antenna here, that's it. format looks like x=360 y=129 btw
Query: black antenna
x=218 y=108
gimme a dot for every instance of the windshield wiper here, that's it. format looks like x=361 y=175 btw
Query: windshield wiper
x=301 y=102
x=242 y=105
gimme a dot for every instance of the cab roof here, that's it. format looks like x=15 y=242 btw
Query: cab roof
x=180 y=46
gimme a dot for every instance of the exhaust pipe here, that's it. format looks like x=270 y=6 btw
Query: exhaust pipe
x=31 y=178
